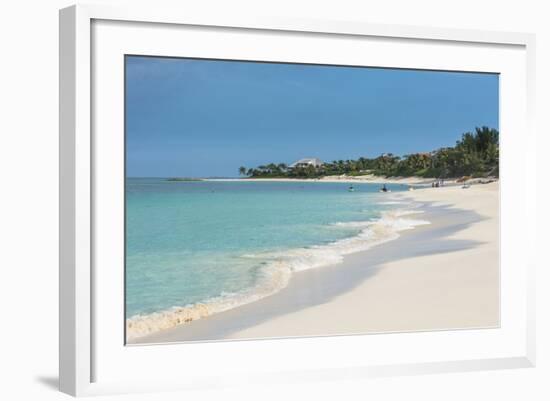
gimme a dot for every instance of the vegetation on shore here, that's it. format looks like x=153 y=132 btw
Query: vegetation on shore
x=475 y=154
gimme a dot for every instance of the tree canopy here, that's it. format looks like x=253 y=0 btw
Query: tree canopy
x=475 y=154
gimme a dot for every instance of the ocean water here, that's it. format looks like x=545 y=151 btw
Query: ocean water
x=196 y=248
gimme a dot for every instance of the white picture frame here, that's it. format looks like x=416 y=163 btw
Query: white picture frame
x=79 y=315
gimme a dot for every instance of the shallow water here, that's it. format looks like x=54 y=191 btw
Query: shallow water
x=200 y=247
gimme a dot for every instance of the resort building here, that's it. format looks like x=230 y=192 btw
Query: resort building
x=315 y=162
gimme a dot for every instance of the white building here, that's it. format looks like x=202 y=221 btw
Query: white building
x=315 y=162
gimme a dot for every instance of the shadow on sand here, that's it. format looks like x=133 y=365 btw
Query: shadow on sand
x=317 y=286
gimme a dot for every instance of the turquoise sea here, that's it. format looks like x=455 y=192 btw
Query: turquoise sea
x=194 y=248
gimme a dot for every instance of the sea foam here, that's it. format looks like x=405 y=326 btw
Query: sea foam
x=277 y=269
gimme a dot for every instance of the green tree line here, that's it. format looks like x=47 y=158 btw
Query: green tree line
x=476 y=154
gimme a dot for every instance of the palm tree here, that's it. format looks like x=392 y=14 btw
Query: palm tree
x=476 y=152
x=272 y=168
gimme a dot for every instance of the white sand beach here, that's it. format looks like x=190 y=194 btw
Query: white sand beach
x=369 y=178
x=443 y=275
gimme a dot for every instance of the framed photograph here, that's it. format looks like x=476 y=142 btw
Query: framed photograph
x=272 y=200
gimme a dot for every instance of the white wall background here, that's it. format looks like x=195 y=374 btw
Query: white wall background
x=29 y=185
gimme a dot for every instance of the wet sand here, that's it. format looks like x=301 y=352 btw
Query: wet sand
x=439 y=276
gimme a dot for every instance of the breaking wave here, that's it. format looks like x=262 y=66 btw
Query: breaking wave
x=277 y=269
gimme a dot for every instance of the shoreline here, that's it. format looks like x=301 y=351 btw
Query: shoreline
x=386 y=283
x=412 y=181
x=278 y=272
x=365 y=179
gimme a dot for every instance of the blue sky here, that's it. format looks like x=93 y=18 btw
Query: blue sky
x=199 y=118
